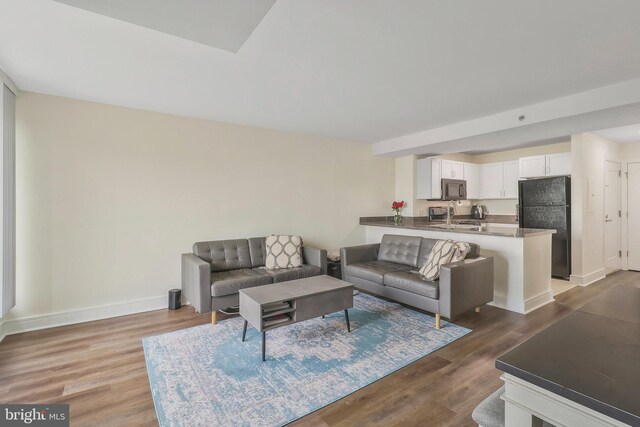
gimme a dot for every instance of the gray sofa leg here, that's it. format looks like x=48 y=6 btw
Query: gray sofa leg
x=438 y=326
x=214 y=317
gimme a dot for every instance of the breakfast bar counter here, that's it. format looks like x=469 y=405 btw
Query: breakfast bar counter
x=583 y=370
x=522 y=256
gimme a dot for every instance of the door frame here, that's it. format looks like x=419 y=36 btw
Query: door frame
x=623 y=259
x=625 y=209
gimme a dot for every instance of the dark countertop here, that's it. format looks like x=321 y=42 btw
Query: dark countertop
x=591 y=356
x=424 y=224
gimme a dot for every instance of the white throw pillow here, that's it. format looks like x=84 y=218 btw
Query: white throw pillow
x=447 y=251
x=283 y=252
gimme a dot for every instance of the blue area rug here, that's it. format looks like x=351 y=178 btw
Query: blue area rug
x=205 y=375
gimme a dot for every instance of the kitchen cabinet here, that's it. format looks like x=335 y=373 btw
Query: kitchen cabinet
x=451 y=169
x=499 y=180
x=510 y=179
x=559 y=164
x=548 y=165
x=472 y=176
x=428 y=178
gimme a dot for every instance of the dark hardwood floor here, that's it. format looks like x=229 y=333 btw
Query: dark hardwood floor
x=98 y=368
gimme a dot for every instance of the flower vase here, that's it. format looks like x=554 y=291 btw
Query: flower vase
x=397 y=219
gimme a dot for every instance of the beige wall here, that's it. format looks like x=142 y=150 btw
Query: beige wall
x=109 y=197
x=505 y=156
x=405 y=185
x=588 y=154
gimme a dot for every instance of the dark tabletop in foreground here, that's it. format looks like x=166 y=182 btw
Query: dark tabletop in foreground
x=591 y=356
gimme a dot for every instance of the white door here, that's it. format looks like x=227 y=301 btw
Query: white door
x=533 y=167
x=510 y=180
x=612 y=241
x=633 y=203
x=472 y=176
x=491 y=180
x=559 y=164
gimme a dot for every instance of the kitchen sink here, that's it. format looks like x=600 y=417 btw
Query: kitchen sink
x=457 y=226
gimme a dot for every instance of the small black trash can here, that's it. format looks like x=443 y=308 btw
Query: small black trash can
x=174 y=299
x=334 y=269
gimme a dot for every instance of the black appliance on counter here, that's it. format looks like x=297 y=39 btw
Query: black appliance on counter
x=546 y=203
x=478 y=211
x=438 y=213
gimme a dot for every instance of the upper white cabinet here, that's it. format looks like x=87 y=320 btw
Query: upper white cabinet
x=452 y=169
x=533 y=166
x=472 y=176
x=559 y=164
x=499 y=180
x=491 y=179
x=428 y=177
x=510 y=179
x=548 y=165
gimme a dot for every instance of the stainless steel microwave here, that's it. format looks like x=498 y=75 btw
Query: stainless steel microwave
x=454 y=189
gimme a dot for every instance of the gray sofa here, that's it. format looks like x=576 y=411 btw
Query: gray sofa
x=214 y=273
x=390 y=269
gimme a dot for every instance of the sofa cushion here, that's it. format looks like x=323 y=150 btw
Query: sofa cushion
x=283 y=252
x=224 y=254
x=294 y=273
x=412 y=281
x=231 y=281
x=425 y=249
x=374 y=270
x=258 y=251
x=400 y=249
x=441 y=254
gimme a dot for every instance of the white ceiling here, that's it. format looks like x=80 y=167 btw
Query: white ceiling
x=622 y=134
x=225 y=24
x=364 y=70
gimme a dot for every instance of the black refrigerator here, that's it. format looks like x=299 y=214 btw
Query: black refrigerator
x=546 y=203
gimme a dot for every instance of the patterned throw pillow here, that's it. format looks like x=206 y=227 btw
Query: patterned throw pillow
x=443 y=252
x=283 y=252
x=462 y=250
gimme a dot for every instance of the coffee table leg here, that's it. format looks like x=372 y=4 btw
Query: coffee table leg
x=244 y=331
x=264 y=339
x=346 y=316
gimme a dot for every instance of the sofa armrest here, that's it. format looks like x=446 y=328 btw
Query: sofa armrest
x=196 y=282
x=465 y=285
x=315 y=256
x=362 y=253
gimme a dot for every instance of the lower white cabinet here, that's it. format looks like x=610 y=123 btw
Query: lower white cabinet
x=499 y=180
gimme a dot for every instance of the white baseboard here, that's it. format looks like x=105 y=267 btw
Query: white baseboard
x=506 y=303
x=33 y=323
x=522 y=306
x=588 y=279
x=538 y=301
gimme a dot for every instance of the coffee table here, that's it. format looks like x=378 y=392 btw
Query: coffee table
x=273 y=306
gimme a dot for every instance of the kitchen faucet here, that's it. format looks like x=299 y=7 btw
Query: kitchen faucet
x=450 y=205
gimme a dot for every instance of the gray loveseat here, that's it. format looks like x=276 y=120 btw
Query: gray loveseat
x=214 y=273
x=390 y=269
